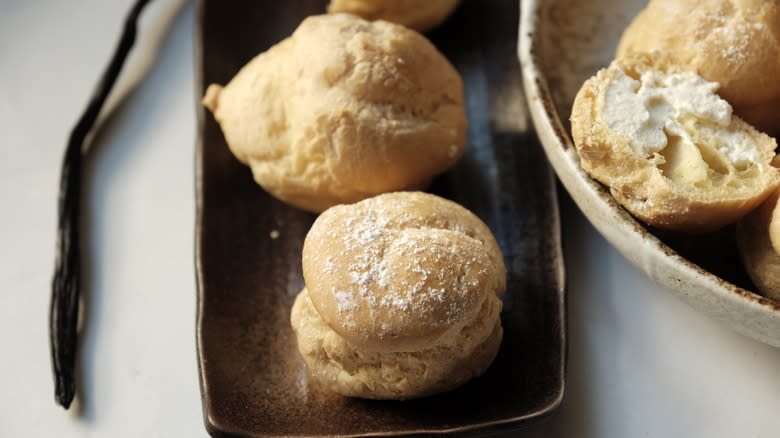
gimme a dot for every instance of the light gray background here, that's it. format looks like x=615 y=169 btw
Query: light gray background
x=641 y=362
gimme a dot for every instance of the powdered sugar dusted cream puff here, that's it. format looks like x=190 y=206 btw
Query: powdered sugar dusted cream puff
x=401 y=297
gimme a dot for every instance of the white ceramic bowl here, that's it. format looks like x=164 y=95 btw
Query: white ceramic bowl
x=561 y=44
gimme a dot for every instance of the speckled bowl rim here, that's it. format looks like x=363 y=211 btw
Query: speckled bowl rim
x=746 y=312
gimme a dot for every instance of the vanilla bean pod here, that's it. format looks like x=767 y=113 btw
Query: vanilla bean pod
x=66 y=285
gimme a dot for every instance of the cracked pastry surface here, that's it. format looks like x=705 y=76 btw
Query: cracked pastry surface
x=668 y=147
x=401 y=298
x=342 y=110
x=420 y=15
x=733 y=42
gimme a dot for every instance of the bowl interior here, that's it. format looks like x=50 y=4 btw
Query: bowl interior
x=564 y=42
x=576 y=38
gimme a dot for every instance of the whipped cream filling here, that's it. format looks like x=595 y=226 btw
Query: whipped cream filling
x=660 y=105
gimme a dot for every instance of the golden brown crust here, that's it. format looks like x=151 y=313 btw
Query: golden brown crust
x=420 y=15
x=774 y=224
x=401 y=298
x=760 y=257
x=649 y=187
x=732 y=42
x=398 y=271
x=345 y=369
x=342 y=110
x=758 y=237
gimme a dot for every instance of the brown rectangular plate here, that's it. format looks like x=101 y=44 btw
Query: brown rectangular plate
x=252 y=379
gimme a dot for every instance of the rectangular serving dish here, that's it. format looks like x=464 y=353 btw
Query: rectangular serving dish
x=253 y=382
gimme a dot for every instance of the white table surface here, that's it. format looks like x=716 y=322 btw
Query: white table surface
x=641 y=362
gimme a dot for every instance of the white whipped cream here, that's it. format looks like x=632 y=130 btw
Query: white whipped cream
x=642 y=110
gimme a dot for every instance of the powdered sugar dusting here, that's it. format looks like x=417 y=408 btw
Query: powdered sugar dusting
x=330 y=265
x=731 y=35
x=345 y=300
x=345 y=303
x=384 y=239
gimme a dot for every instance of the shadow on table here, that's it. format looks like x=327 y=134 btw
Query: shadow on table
x=106 y=157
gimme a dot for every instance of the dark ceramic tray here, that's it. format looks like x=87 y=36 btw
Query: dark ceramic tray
x=252 y=379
